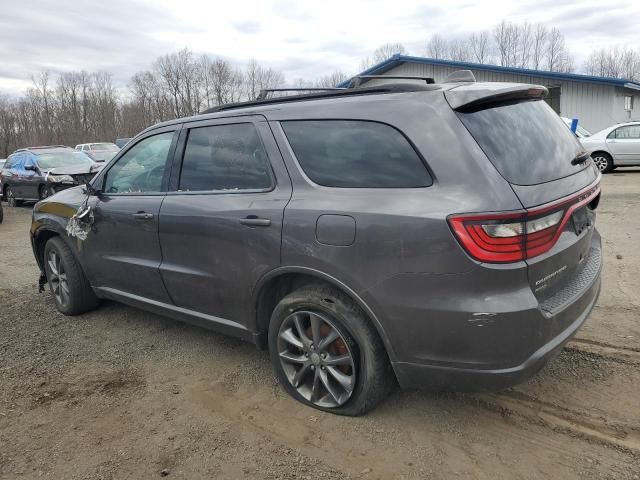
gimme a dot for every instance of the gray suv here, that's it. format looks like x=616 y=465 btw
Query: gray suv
x=435 y=235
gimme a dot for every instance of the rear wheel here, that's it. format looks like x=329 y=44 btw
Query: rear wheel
x=603 y=161
x=70 y=289
x=326 y=354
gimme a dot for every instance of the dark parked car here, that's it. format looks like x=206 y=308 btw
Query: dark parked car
x=37 y=172
x=437 y=235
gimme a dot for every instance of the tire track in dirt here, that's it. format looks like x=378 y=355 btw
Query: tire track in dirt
x=562 y=419
x=607 y=350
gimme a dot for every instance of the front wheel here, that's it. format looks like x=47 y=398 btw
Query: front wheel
x=70 y=289
x=603 y=161
x=326 y=353
x=12 y=201
x=43 y=192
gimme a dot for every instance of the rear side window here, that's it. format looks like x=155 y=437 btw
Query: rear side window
x=355 y=154
x=526 y=141
x=225 y=157
x=628 y=131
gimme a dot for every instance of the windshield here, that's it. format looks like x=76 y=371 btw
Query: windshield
x=526 y=141
x=104 y=146
x=62 y=159
x=583 y=132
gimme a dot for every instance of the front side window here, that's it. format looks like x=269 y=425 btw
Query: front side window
x=225 y=157
x=355 y=154
x=142 y=168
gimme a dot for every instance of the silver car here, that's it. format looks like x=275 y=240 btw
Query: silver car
x=615 y=146
x=99 y=152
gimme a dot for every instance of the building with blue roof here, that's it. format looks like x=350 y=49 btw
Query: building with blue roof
x=597 y=102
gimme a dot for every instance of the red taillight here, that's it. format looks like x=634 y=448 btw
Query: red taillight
x=513 y=236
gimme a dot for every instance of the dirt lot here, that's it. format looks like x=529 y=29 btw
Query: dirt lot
x=120 y=393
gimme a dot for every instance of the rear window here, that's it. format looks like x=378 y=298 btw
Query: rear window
x=355 y=154
x=527 y=141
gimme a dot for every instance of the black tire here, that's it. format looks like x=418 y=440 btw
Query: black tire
x=374 y=376
x=10 y=197
x=603 y=161
x=77 y=297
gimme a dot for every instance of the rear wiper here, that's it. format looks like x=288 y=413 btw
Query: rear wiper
x=580 y=158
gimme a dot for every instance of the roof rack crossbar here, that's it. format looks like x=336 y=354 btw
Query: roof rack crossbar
x=263 y=93
x=357 y=80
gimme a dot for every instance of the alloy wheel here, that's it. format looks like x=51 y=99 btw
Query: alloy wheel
x=601 y=162
x=58 y=278
x=317 y=359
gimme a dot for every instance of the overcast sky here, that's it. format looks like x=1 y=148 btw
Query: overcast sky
x=304 y=39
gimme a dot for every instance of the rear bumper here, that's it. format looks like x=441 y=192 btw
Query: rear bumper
x=484 y=329
x=437 y=377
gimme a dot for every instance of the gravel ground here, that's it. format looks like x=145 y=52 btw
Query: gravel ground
x=121 y=393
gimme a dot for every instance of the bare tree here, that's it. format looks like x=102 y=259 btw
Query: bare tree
x=438 y=47
x=388 y=50
x=539 y=46
x=480 y=46
x=614 y=62
x=502 y=37
x=331 y=80
x=525 y=43
x=557 y=58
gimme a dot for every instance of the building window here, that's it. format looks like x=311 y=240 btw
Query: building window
x=628 y=103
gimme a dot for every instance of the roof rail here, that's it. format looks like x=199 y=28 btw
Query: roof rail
x=340 y=92
x=263 y=93
x=42 y=147
x=356 y=81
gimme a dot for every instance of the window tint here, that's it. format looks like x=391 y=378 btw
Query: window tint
x=355 y=154
x=225 y=157
x=526 y=141
x=141 y=168
x=629 y=131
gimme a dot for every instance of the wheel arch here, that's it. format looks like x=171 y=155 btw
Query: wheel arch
x=40 y=239
x=602 y=151
x=276 y=284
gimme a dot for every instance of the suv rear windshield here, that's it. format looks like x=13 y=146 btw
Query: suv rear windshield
x=355 y=154
x=526 y=141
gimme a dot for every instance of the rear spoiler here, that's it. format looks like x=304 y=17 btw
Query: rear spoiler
x=479 y=95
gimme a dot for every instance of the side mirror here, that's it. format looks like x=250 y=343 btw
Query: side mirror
x=89 y=190
x=31 y=168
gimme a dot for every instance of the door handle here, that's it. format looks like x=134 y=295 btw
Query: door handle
x=142 y=216
x=254 y=221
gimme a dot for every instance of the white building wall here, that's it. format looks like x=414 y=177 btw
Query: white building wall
x=596 y=106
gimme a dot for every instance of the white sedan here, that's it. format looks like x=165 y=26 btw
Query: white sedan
x=615 y=146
